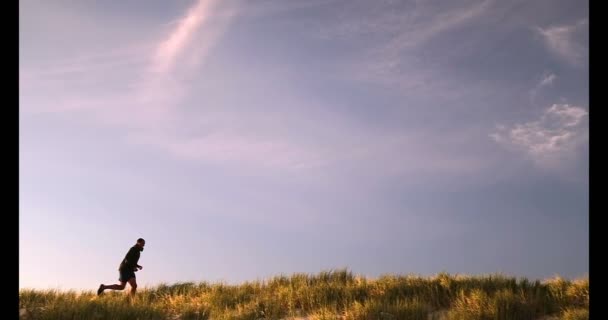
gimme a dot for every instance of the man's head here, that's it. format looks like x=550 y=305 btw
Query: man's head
x=141 y=243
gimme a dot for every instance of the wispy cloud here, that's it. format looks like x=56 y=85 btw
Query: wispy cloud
x=267 y=8
x=90 y=62
x=406 y=24
x=231 y=149
x=565 y=41
x=151 y=76
x=436 y=24
x=546 y=80
x=549 y=140
x=182 y=35
x=149 y=106
x=166 y=80
x=395 y=35
x=148 y=81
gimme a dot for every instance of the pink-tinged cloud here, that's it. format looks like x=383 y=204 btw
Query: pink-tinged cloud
x=182 y=35
x=166 y=81
x=146 y=74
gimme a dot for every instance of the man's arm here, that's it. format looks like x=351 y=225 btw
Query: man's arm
x=131 y=258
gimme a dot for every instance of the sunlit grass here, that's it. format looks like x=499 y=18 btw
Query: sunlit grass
x=336 y=294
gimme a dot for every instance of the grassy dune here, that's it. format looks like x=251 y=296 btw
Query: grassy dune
x=326 y=295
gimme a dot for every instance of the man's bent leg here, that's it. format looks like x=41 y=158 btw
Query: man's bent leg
x=133 y=284
x=120 y=286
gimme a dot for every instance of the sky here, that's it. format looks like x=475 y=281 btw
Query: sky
x=250 y=138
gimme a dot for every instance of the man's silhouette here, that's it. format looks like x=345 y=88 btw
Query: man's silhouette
x=127 y=269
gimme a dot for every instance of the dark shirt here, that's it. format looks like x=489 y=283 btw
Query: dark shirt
x=131 y=259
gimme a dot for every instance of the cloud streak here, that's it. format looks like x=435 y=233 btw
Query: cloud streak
x=237 y=149
x=165 y=82
x=150 y=80
x=152 y=113
x=438 y=23
x=396 y=38
x=182 y=35
x=147 y=82
x=547 y=80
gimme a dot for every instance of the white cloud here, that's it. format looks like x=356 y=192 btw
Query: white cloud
x=551 y=139
x=564 y=41
x=547 y=80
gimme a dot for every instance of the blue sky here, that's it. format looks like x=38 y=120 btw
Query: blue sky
x=243 y=139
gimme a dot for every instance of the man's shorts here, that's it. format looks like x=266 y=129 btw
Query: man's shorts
x=125 y=275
